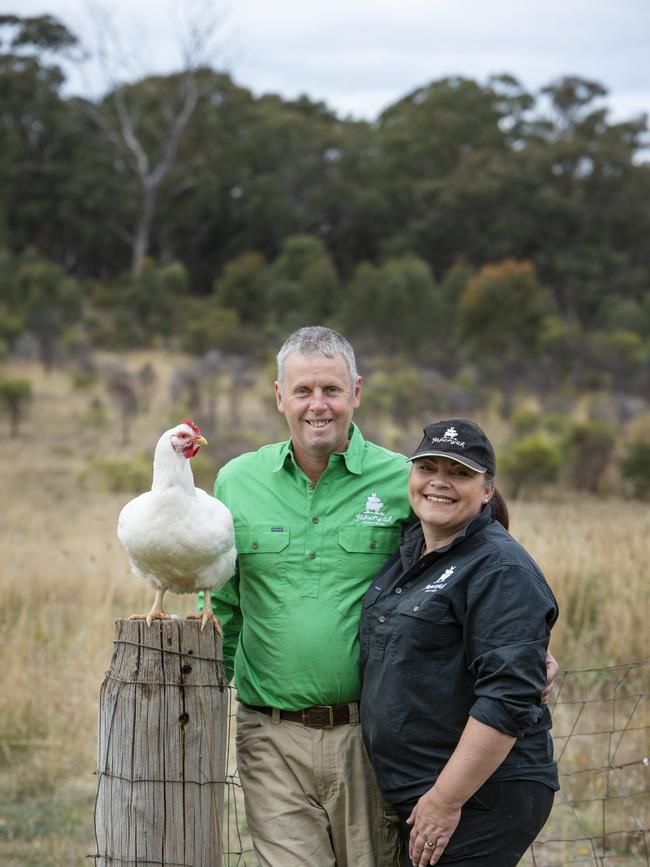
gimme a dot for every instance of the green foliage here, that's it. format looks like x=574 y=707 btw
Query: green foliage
x=207 y=326
x=525 y=420
x=244 y=287
x=401 y=290
x=42 y=32
x=635 y=469
x=46 y=301
x=529 y=462
x=83 y=379
x=474 y=226
x=117 y=474
x=501 y=315
x=588 y=447
x=152 y=297
x=400 y=392
x=304 y=285
x=15 y=395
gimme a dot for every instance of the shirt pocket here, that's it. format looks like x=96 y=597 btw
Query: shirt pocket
x=367 y=636
x=426 y=628
x=361 y=554
x=263 y=555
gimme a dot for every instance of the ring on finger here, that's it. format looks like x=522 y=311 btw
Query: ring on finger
x=430 y=844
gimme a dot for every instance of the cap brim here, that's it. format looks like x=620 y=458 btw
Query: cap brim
x=461 y=459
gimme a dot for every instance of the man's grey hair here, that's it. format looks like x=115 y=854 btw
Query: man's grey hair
x=318 y=340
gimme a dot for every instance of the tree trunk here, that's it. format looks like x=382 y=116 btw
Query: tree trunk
x=163 y=721
x=142 y=237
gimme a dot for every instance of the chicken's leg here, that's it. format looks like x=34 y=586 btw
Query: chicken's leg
x=208 y=614
x=156 y=612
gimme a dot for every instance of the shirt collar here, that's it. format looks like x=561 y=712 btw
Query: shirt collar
x=353 y=455
x=414 y=536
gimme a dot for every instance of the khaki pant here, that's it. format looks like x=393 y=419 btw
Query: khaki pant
x=310 y=795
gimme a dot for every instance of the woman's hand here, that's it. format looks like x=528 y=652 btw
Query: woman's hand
x=433 y=821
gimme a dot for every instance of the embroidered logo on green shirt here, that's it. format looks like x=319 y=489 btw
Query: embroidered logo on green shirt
x=374 y=511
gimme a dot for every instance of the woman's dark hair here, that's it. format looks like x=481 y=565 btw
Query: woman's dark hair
x=499 y=508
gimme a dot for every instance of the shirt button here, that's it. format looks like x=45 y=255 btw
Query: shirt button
x=312 y=554
x=254 y=545
x=382 y=619
x=314 y=520
x=373 y=544
x=398 y=590
x=416 y=608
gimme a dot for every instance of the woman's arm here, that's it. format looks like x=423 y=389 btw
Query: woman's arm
x=480 y=751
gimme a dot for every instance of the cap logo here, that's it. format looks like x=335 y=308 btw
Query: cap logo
x=450 y=436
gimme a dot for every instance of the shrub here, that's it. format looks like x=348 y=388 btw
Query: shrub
x=635 y=469
x=15 y=394
x=530 y=461
x=118 y=475
x=589 y=446
x=525 y=420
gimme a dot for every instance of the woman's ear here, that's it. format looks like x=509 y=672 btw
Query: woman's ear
x=487 y=493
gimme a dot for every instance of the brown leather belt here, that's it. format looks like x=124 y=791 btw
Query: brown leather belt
x=323 y=716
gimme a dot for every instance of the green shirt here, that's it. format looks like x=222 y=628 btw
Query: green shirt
x=306 y=556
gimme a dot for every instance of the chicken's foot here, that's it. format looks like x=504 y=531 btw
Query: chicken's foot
x=156 y=612
x=208 y=614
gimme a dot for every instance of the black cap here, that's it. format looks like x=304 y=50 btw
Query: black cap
x=461 y=440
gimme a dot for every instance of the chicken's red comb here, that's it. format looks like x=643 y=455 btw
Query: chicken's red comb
x=190 y=423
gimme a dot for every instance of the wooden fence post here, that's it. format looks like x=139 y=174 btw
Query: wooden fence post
x=163 y=726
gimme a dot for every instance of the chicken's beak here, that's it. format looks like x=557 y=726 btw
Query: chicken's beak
x=201 y=441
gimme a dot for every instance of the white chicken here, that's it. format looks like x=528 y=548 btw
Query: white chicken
x=178 y=537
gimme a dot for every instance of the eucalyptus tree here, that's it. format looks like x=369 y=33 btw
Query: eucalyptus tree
x=144 y=121
x=35 y=130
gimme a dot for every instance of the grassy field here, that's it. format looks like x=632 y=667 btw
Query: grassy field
x=64 y=579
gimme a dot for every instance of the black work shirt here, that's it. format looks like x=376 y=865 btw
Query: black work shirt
x=462 y=631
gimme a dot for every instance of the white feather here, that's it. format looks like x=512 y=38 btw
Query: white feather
x=178 y=537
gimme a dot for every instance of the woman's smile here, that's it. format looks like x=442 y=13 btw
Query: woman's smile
x=445 y=495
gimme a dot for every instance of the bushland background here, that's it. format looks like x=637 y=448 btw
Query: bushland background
x=484 y=248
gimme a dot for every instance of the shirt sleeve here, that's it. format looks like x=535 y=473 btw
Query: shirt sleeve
x=225 y=602
x=510 y=611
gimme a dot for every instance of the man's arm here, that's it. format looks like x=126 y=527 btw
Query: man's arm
x=225 y=604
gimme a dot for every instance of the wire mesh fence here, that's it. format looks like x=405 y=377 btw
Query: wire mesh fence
x=601 y=814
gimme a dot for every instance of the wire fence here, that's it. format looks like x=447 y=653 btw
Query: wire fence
x=601 y=814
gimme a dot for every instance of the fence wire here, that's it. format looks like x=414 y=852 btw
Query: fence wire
x=601 y=813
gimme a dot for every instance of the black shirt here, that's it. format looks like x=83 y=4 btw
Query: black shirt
x=462 y=631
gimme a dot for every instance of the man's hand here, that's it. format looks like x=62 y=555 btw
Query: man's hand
x=433 y=822
x=552 y=671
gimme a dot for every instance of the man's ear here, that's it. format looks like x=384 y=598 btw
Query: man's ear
x=278 y=397
x=357 y=391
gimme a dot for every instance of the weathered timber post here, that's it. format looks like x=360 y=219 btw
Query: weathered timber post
x=163 y=723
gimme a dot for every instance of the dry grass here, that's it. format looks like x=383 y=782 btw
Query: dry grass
x=64 y=579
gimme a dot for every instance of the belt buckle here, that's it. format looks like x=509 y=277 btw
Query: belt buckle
x=320 y=712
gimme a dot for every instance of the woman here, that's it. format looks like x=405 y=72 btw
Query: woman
x=454 y=634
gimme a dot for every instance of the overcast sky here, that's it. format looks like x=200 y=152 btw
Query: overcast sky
x=360 y=55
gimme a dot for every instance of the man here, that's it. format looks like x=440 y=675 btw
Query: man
x=315 y=519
